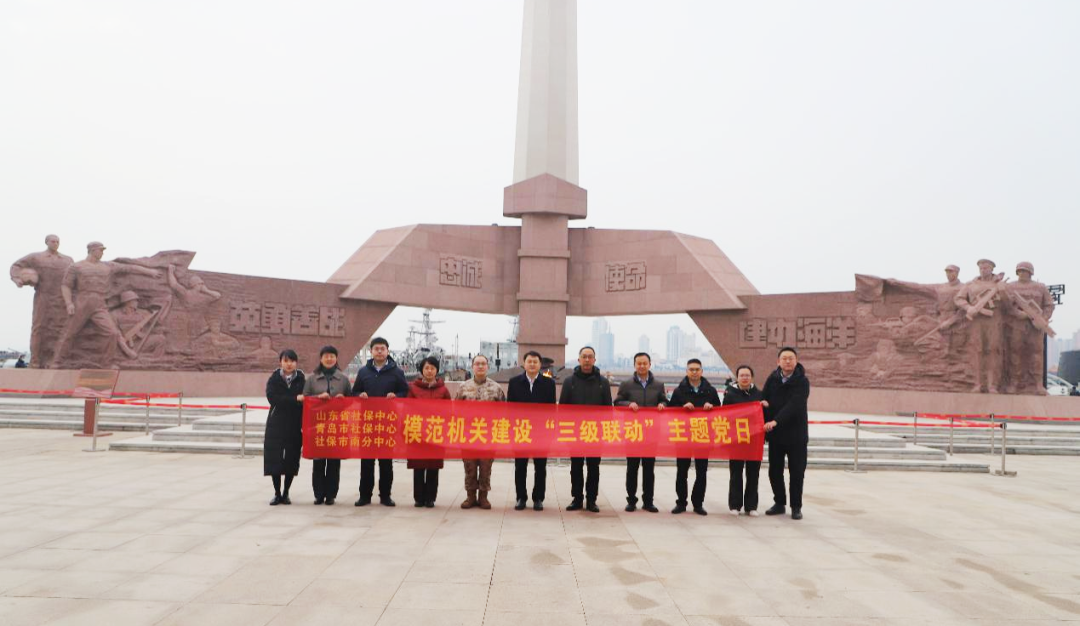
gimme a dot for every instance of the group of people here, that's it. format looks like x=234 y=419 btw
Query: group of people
x=783 y=398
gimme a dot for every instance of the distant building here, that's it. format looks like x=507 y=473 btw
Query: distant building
x=674 y=344
x=604 y=342
x=643 y=343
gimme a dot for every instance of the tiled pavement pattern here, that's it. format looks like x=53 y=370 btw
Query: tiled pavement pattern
x=137 y=538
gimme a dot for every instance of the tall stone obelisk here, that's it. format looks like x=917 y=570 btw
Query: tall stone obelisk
x=545 y=194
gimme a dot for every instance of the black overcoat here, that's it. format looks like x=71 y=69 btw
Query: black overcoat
x=284 y=437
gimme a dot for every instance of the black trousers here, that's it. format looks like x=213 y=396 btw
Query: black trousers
x=579 y=482
x=521 y=467
x=735 y=498
x=648 y=478
x=325 y=476
x=796 y=462
x=682 y=470
x=425 y=485
x=367 y=477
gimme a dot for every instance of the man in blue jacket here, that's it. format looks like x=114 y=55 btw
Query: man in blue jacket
x=533 y=387
x=784 y=397
x=380 y=378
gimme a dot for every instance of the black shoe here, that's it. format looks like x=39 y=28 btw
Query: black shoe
x=430 y=504
x=276 y=500
x=418 y=504
x=776 y=509
x=387 y=501
x=318 y=501
x=679 y=508
x=362 y=501
x=592 y=508
x=650 y=508
x=285 y=499
x=520 y=505
x=329 y=502
x=700 y=510
x=630 y=508
x=574 y=506
x=538 y=505
x=796 y=513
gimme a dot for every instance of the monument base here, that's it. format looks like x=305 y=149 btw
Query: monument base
x=892 y=401
x=191 y=384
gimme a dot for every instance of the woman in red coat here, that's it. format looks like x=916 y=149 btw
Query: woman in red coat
x=426 y=471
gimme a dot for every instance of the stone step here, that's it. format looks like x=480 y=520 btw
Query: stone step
x=103 y=426
x=152 y=444
x=1034 y=450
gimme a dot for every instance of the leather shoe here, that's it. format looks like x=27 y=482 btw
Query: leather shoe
x=776 y=509
x=285 y=500
x=538 y=505
x=362 y=501
x=430 y=504
x=700 y=510
x=679 y=508
x=520 y=505
x=276 y=500
x=650 y=508
x=592 y=508
x=387 y=501
x=329 y=502
x=419 y=504
x=318 y=501
x=630 y=508
x=796 y=513
x=574 y=506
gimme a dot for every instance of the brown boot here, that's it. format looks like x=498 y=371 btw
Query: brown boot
x=484 y=504
x=470 y=499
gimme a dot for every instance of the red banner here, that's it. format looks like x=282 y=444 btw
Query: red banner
x=378 y=428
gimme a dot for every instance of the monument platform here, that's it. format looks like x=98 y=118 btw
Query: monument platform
x=167 y=539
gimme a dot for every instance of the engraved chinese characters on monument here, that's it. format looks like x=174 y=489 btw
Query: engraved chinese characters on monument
x=458 y=271
x=624 y=276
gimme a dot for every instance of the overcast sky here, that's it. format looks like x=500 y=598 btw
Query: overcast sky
x=809 y=140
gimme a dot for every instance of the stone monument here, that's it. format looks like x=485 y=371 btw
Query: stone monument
x=154 y=313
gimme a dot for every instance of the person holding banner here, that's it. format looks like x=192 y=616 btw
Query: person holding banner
x=426 y=471
x=326 y=382
x=643 y=390
x=743 y=391
x=784 y=397
x=532 y=387
x=694 y=392
x=585 y=386
x=284 y=436
x=478 y=471
x=380 y=378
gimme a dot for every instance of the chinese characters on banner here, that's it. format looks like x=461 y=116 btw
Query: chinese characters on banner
x=802 y=332
x=277 y=318
x=455 y=271
x=348 y=428
x=624 y=276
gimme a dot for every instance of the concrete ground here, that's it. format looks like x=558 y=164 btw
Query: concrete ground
x=141 y=538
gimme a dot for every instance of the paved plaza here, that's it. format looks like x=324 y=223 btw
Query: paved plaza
x=124 y=538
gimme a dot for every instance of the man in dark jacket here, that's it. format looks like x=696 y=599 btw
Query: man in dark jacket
x=743 y=391
x=694 y=392
x=380 y=378
x=641 y=391
x=784 y=397
x=585 y=386
x=533 y=387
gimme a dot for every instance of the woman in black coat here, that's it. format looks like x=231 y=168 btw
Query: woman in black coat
x=281 y=444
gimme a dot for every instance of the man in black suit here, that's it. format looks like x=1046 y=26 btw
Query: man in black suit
x=531 y=386
x=784 y=397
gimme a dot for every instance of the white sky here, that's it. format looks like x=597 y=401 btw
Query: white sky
x=810 y=140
